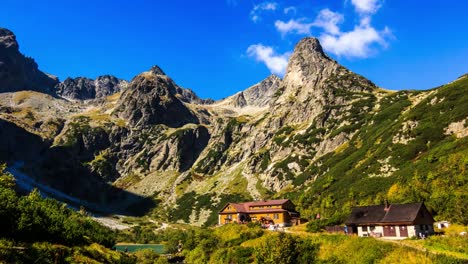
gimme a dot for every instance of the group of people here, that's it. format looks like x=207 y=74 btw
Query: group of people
x=423 y=235
x=272 y=227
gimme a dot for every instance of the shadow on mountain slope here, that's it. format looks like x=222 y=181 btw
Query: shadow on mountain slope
x=58 y=168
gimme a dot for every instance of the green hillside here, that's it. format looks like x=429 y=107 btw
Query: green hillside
x=430 y=167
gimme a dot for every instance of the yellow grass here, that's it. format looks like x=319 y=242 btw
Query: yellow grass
x=113 y=97
x=404 y=256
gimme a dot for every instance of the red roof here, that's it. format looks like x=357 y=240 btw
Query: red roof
x=245 y=207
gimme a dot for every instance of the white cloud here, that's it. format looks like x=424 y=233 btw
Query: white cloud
x=366 y=6
x=293 y=26
x=276 y=63
x=290 y=9
x=265 y=6
x=359 y=43
x=329 y=20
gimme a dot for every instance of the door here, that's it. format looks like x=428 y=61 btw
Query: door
x=403 y=231
x=389 y=231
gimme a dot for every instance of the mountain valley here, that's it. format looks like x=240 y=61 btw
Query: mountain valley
x=322 y=136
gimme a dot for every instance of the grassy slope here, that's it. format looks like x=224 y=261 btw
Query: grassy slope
x=431 y=167
x=250 y=244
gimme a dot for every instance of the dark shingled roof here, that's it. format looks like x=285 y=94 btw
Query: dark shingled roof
x=376 y=214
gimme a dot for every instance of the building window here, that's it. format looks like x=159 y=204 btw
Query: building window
x=229 y=217
x=229 y=208
x=275 y=216
x=364 y=228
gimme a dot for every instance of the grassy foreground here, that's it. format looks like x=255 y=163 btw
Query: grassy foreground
x=250 y=244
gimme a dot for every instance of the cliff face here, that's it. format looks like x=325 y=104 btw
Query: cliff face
x=18 y=72
x=323 y=136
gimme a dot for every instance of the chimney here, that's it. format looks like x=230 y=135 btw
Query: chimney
x=386 y=205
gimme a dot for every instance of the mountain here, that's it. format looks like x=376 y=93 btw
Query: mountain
x=18 y=72
x=151 y=99
x=259 y=95
x=323 y=136
x=82 y=88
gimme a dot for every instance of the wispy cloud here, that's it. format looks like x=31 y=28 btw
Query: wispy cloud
x=366 y=6
x=360 y=42
x=290 y=10
x=276 y=63
x=293 y=26
x=329 y=20
x=326 y=19
x=257 y=9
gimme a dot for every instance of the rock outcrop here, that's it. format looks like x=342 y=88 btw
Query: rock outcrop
x=188 y=96
x=254 y=98
x=262 y=93
x=313 y=80
x=18 y=72
x=151 y=99
x=82 y=88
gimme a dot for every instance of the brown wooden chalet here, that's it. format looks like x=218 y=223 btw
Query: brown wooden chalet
x=277 y=212
x=395 y=221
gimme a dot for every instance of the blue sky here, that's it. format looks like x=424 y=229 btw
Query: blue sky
x=220 y=47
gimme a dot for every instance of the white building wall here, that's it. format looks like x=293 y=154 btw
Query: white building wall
x=411 y=231
x=374 y=231
x=378 y=231
x=359 y=231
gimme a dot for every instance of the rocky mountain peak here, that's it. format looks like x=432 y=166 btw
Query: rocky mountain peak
x=18 y=72
x=262 y=93
x=307 y=70
x=8 y=39
x=309 y=63
x=82 y=88
x=258 y=95
x=157 y=70
x=310 y=45
x=150 y=99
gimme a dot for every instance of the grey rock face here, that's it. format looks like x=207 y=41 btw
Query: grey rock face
x=307 y=70
x=180 y=150
x=188 y=96
x=78 y=88
x=239 y=100
x=151 y=99
x=84 y=88
x=311 y=82
x=8 y=39
x=262 y=93
x=18 y=72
